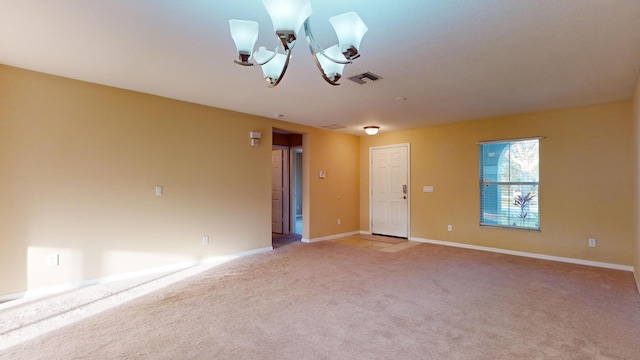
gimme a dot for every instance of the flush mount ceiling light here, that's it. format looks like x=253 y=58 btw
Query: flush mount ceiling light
x=371 y=130
x=287 y=17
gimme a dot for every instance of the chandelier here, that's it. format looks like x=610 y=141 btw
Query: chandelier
x=287 y=17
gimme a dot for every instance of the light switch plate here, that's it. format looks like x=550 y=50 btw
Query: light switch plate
x=427 y=189
x=53 y=260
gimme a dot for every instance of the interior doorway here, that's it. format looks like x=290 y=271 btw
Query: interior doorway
x=296 y=177
x=286 y=189
x=278 y=189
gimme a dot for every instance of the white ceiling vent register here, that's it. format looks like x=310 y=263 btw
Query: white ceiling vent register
x=364 y=78
x=333 y=126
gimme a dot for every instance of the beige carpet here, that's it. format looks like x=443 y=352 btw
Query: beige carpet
x=278 y=240
x=331 y=301
x=384 y=239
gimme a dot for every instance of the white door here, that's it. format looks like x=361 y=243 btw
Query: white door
x=276 y=191
x=390 y=191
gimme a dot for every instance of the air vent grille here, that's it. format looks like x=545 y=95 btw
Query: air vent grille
x=333 y=126
x=364 y=78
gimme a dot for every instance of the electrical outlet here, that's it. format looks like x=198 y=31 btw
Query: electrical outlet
x=339 y=221
x=53 y=260
x=449 y=227
x=205 y=240
x=592 y=242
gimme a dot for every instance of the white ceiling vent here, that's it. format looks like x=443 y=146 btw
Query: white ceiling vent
x=333 y=126
x=365 y=77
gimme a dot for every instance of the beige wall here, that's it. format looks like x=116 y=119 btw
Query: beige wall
x=337 y=195
x=636 y=122
x=586 y=182
x=79 y=163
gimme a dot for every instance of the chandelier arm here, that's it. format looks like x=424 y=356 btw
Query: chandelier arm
x=311 y=41
x=343 y=62
x=324 y=76
x=275 y=52
x=284 y=69
x=243 y=63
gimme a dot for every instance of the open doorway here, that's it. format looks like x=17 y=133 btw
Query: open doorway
x=286 y=188
x=296 y=177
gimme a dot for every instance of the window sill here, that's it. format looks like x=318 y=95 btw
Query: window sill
x=510 y=228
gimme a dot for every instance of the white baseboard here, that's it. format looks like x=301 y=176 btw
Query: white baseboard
x=168 y=268
x=10 y=297
x=330 y=237
x=527 y=254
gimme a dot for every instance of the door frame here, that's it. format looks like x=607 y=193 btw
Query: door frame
x=371 y=149
x=293 y=169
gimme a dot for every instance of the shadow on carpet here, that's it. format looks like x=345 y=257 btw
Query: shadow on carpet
x=279 y=240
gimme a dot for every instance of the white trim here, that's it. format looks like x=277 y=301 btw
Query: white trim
x=286 y=191
x=527 y=254
x=10 y=297
x=408 y=146
x=292 y=187
x=388 y=146
x=175 y=267
x=280 y=147
x=330 y=237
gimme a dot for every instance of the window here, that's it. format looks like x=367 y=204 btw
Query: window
x=509 y=184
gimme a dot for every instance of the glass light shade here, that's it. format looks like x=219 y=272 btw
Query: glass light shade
x=273 y=69
x=245 y=34
x=350 y=29
x=329 y=67
x=288 y=14
x=371 y=130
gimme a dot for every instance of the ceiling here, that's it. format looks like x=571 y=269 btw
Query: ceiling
x=440 y=61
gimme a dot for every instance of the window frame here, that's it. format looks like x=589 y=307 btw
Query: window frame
x=483 y=183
